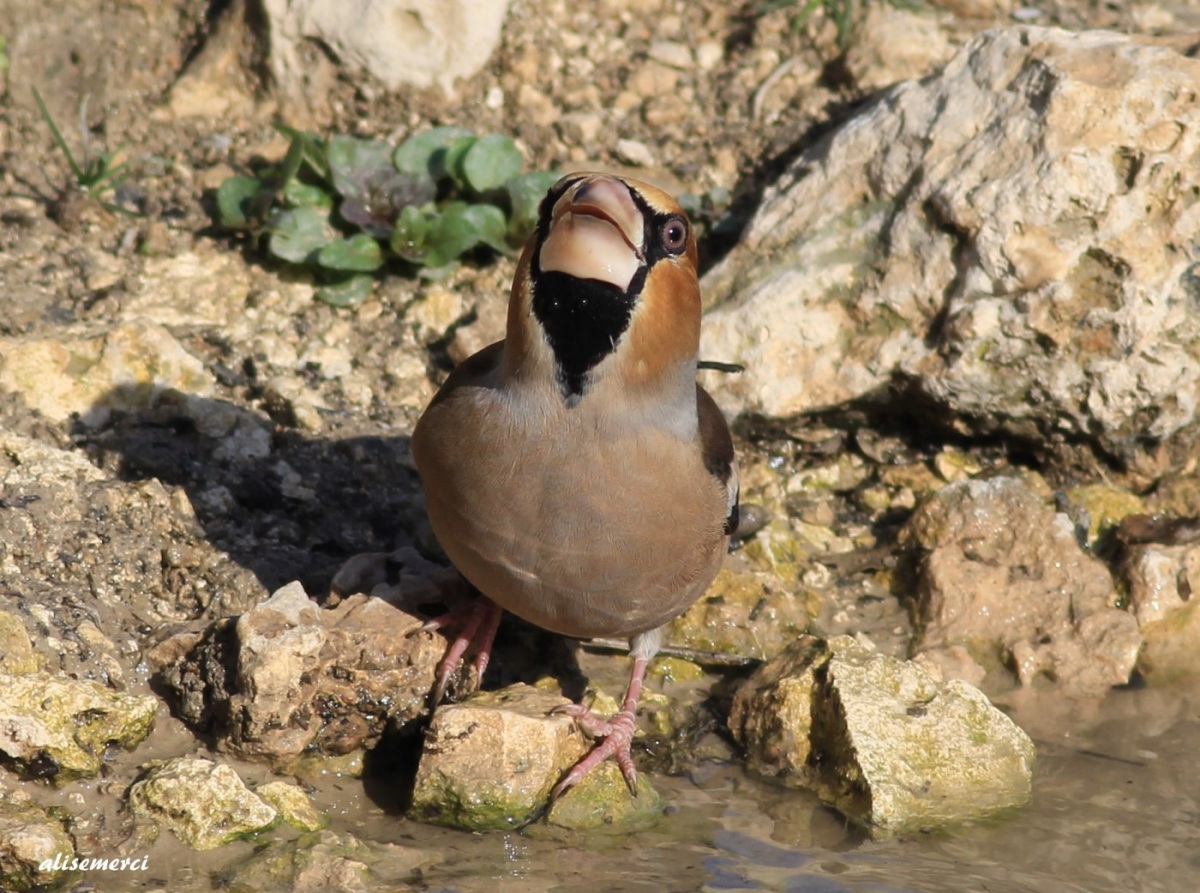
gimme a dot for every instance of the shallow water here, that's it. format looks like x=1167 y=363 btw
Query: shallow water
x=1116 y=809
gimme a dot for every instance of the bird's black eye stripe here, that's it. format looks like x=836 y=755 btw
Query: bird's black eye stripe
x=658 y=225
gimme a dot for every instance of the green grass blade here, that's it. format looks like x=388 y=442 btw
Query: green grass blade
x=58 y=137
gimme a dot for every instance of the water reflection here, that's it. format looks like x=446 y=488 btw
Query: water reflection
x=1116 y=809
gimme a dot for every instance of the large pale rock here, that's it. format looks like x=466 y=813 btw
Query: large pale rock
x=204 y=803
x=1002 y=575
x=400 y=42
x=59 y=727
x=892 y=747
x=92 y=373
x=1007 y=237
x=490 y=762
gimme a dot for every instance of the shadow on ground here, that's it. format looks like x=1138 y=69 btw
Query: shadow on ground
x=282 y=504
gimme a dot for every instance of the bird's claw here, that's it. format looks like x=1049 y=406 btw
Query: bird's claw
x=479 y=622
x=617 y=733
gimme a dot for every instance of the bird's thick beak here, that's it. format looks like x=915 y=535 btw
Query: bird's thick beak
x=596 y=232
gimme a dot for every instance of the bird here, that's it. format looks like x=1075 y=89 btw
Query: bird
x=575 y=472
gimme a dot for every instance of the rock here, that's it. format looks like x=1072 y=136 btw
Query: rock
x=771 y=715
x=1100 y=508
x=293 y=805
x=204 y=803
x=635 y=153
x=920 y=752
x=55 y=727
x=278 y=649
x=1171 y=653
x=326 y=862
x=892 y=747
x=709 y=54
x=202 y=287
x=214 y=84
x=413 y=43
x=602 y=801
x=288 y=678
x=893 y=44
x=672 y=53
x=81 y=541
x=31 y=840
x=997 y=237
x=1177 y=493
x=489 y=762
x=93 y=373
x=1002 y=574
x=16 y=651
x=1161 y=581
x=94 y=558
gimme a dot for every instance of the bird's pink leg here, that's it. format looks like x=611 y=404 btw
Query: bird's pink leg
x=479 y=622
x=617 y=733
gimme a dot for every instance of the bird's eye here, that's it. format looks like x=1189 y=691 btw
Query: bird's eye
x=674 y=235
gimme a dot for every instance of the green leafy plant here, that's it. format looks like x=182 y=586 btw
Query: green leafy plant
x=345 y=207
x=96 y=175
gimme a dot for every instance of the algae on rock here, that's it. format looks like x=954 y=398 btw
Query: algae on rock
x=490 y=762
x=892 y=747
x=206 y=804
x=59 y=727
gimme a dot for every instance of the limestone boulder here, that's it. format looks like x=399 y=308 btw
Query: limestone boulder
x=1007 y=239
x=415 y=43
x=892 y=746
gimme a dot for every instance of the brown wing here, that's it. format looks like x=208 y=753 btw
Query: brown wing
x=471 y=370
x=716 y=445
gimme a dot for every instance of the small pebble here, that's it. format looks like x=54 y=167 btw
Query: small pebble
x=709 y=54
x=669 y=52
x=635 y=153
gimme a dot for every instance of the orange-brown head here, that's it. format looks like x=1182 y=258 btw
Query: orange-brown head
x=606 y=290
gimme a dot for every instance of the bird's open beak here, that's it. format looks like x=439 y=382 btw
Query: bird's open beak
x=596 y=232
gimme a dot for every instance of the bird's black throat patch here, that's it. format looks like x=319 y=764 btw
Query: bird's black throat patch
x=584 y=320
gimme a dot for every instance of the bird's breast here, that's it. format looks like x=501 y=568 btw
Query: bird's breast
x=579 y=526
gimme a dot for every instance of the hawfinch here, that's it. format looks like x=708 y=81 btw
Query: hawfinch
x=575 y=473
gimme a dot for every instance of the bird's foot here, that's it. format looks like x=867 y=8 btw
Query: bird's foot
x=617 y=733
x=477 y=622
